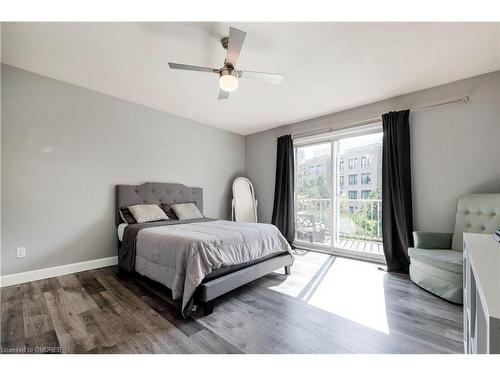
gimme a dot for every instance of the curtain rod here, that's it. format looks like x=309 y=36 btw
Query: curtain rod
x=463 y=99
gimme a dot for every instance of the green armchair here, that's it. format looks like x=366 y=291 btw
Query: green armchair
x=436 y=261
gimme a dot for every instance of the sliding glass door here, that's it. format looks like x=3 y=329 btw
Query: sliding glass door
x=339 y=193
x=314 y=194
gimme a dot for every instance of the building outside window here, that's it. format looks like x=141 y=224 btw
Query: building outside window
x=353 y=163
x=353 y=194
x=353 y=179
x=366 y=162
x=341 y=180
x=341 y=166
x=366 y=178
x=365 y=194
x=320 y=170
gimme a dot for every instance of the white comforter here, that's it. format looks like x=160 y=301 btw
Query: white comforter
x=184 y=254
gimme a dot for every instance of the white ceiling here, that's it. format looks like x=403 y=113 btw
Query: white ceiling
x=328 y=66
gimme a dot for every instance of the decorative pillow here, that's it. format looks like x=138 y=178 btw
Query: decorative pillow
x=185 y=211
x=144 y=213
x=127 y=216
x=167 y=207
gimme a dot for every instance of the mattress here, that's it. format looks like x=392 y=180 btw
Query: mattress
x=120 y=230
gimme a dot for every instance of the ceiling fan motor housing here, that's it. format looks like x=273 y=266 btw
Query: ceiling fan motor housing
x=228 y=70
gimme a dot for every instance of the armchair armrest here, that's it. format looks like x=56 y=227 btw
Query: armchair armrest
x=432 y=240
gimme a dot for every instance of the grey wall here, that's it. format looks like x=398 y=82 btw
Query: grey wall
x=455 y=148
x=63 y=150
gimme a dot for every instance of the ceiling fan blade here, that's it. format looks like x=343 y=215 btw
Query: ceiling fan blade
x=262 y=76
x=223 y=94
x=192 y=67
x=236 y=39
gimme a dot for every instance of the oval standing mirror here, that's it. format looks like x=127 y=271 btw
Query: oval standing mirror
x=244 y=202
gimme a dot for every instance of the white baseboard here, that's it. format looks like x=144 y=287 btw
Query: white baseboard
x=44 y=273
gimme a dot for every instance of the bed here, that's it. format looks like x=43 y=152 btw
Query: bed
x=199 y=259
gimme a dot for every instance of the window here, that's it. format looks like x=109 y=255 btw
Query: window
x=341 y=180
x=341 y=165
x=353 y=194
x=353 y=179
x=366 y=178
x=365 y=194
x=353 y=163
x=365 y=162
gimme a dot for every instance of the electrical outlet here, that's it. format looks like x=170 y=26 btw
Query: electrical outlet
x=20 y=252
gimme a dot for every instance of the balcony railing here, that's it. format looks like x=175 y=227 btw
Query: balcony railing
x=358 y=219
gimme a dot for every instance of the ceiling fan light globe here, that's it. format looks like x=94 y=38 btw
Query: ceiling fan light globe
x=228 y=82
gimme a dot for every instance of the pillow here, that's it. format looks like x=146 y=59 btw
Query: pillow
x=127 y=216
x=144 y=213
x=185 y=211
x=167 y=207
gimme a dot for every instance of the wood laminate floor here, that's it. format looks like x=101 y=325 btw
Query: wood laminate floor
x=327 y=305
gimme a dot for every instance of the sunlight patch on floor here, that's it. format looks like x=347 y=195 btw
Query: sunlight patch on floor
x=355 y=291
x=348 y=288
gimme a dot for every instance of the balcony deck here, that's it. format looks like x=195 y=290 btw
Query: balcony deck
x=358 y=245
x=370 y=247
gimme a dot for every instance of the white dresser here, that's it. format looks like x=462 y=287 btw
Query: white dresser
x=481 y=294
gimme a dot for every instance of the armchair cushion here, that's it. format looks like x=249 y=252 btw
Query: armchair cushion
x=443 y=283
x=432 y=240
x=446 y=259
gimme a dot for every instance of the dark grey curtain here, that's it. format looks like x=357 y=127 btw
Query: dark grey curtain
x=283 y=208
x=397 y=211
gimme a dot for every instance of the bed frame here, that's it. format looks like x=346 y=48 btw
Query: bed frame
x=207 y=292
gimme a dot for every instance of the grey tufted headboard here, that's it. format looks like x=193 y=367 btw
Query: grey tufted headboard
x=156 y=192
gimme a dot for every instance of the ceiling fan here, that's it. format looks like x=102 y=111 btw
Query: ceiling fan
x=228 y=74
